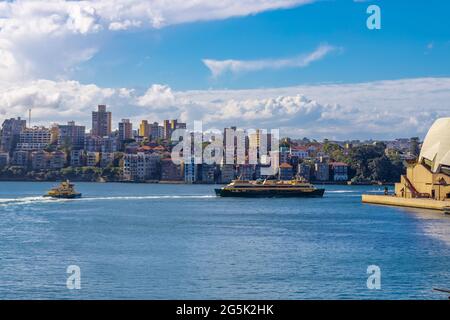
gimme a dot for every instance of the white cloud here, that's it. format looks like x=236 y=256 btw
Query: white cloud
x=157 y=96
x=124 y=25
x=47 y=39
x=218 y=67
x=383 y=109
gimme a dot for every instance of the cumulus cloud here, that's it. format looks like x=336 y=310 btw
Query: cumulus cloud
x=157 y=96
x=47 y=39
x=218 y=67
x=382 y=110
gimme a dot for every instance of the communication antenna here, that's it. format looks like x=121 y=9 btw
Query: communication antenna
x=29 y=118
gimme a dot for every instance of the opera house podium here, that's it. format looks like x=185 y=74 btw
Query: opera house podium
x=426 y=183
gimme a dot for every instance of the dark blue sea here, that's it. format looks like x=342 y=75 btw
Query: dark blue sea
x=157 y=241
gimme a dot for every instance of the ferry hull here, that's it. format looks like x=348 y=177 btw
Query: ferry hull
x=270 y=193
x=65 y=196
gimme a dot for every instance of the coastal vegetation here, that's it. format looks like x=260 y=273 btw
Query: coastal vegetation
x=88 y=174
x=368 y=162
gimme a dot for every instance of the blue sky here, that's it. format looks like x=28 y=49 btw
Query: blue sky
x=414 y=42
x=308 y=67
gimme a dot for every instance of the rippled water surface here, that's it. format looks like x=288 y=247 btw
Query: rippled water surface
x=150 y=241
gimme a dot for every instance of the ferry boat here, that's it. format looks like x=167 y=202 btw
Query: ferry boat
x=65 y=190
x=269 y=188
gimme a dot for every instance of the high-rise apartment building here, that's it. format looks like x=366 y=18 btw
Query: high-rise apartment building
x=101 y=121
x=170 y=126
x=10 y=133
x=167 y=129
x=173 y=124
x=144 y=129
x=36 y=138
x=155 y=131
x=125 y=130
x=141 y=166
x=71 y=135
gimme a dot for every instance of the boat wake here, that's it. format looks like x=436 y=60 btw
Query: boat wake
x=4 y=202
x=147 y=197
x=24 y=200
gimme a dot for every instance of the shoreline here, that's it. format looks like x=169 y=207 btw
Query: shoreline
x=343 y=183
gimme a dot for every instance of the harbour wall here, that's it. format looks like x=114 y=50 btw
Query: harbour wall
x=407 y=202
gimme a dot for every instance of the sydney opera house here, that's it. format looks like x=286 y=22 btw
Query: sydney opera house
x=426 y=183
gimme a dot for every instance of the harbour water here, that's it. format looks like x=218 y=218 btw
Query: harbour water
x=156 y=241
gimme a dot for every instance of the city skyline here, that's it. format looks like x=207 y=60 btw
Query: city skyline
x=168 y=152
x=335 y=79
x=124 y=129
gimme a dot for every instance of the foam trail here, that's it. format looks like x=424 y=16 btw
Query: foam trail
x=148 y=197
x=35 y=200
x=25 y=200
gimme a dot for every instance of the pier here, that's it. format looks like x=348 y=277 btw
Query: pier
x=442 y=205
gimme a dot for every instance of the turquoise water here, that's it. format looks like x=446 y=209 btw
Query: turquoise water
x=150 y=241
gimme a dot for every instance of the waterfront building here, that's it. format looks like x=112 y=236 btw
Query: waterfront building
x=36 y=138
x=71 y=135
x=93 y=143
x=144 y=129
x=125 y=130
x=106 y=159
x=429 y=177
x=304 y=171
x=254 y=140
x=230 y=152
x=20 y=158
x=227 y=173
x=260 y=141
x=322 y=171
x=57 y=160
x=246 y=172
x=101 y=122
x=54 y=133
x=92 y=159
x=153 y=166
x=191 y=171
x=285 y=153
x=171 y=171
x=4 y=159
x=208 y=173
x=39 y=160
x=76 y=158
x=340 y=171
x=10 y=134
x=299 y=151
x=141 y=166
x=109 y=144
x=312 y=150
x=285 y=172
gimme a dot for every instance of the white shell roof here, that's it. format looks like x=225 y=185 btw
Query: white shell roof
x=436 y=146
